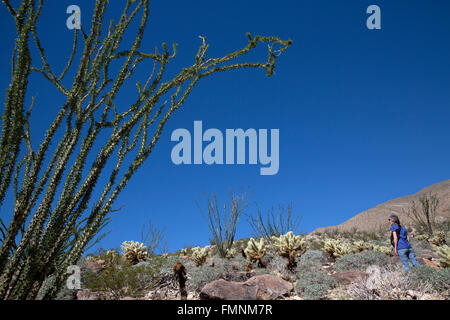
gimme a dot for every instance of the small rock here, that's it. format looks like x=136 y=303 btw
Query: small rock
x=270 y=287
x=347 y=277
x=87 y=294
x=128 y=298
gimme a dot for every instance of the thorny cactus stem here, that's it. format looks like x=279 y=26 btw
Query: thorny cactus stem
x=64 y=191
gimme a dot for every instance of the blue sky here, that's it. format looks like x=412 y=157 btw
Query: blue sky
x=363 y=114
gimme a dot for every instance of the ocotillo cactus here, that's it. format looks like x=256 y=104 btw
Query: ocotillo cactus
x=58 y=180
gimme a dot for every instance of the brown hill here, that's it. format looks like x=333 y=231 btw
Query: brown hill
x=376 y=218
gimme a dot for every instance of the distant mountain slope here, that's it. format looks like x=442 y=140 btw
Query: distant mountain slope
x=373 y=219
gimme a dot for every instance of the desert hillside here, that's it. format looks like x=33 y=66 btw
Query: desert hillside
x=373 y=219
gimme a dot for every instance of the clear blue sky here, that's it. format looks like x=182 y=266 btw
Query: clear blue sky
x=363 y=114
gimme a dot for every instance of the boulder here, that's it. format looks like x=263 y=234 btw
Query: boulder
x=348 y=276
x=270 y=287
x=262 y=287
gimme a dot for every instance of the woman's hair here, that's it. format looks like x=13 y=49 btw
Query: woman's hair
x=394 y=219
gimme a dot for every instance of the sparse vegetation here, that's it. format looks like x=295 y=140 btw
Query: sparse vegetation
x=274 y=224
x=222 y=225
x=423 y=213
x=361 y=260
x=151 y=236
x=313 y=285
x=389 y=283
x=120 y=278
x=439 y=279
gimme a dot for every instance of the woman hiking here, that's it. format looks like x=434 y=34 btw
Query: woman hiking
x=400 y=241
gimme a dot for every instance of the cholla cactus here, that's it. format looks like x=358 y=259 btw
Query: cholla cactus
x=438 y=238
x=336 y=248
x=230 y=253
x=422 y=237
x=183 y=252
x=290 y=246
x=165 y=255
x=383 y=249
x=199 y=255
x=255 y=251
x=359 y=246
x=134 y=251
x=444 y=255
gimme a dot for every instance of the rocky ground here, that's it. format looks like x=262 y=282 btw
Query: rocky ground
x=362 y=275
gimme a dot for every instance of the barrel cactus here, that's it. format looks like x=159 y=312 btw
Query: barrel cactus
x=134 y=251
x=290 y=246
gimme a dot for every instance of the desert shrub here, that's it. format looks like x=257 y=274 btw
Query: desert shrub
x=315 y=256
x=63 y=294
x=331 y=233
x=313 y=285
x=388 y=283
x=121 y=278
x=439 y=279
x=421 y=245
x=306 y=266
x=361 y=260
x=278 y=266
x=315 y=244
x=217 y=269
x=379 y=243
x=167 y=265
x=368 y=235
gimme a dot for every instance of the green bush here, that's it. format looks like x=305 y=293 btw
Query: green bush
x=120 y=278
x=316 y=256
x=361 y=260
x=221 y=269
x=439 y=279
x=313 y=285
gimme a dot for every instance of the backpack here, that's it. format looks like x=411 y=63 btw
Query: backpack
x=398 y=235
